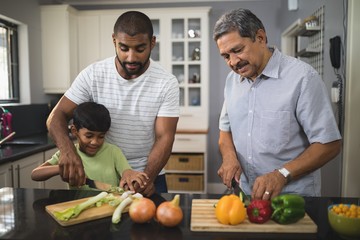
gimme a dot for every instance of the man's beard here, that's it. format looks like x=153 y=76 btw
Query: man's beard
x=138 y=71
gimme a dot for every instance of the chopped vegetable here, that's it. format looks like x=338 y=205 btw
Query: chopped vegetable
x=288 y=208
x=74 y=211
x=125 y=200
x=259 y=211
x=115 y=189
x=230 y=210
x=116 y=217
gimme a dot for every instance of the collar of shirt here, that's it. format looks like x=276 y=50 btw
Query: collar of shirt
x=271 y=69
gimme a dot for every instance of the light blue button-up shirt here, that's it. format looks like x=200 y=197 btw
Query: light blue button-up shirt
x=276 y=117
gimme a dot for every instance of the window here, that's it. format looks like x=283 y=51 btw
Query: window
x=9 y=67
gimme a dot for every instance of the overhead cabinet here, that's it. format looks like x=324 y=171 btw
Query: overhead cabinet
x=59 y=47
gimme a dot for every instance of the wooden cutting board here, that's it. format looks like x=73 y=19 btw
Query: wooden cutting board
x=105 y=210
x=203 y=220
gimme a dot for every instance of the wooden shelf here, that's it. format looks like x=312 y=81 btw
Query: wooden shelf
x=305 y=31
x=307 y=52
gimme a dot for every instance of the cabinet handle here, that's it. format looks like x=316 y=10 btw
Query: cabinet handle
x=18 y=174
x=183 y=139
x=183 y=179
x=183 y=160
x=11 y=170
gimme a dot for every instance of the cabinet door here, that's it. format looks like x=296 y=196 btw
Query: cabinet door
x=107 y=48
x=55 y=182
x=23 y=169
x=59 y=47
x=6 y=172
x=189 y=63
x=89 y=39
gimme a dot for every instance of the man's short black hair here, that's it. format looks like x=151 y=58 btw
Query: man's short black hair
x=134 y=22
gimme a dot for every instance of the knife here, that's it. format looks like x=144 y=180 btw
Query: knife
x=103 y=186
x=237 y=190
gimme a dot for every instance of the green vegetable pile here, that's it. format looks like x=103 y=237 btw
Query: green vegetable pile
x=119 y=204
x=288 y=208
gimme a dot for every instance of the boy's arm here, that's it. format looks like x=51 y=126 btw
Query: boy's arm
x=44 y=172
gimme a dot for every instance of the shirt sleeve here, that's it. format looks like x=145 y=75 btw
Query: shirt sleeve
x=54 y=160
x=224 y=123
x=79 y=90
x=170 y=106
x=121 y=163
x=315 y=111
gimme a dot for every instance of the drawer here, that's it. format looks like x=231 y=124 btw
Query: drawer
x=189 y=143
x=186 y=162
x=185 y=182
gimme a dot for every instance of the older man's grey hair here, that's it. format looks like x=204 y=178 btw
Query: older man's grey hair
x=242 y=20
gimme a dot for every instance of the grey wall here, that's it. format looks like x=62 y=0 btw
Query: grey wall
x=28 y=12
x=275 y=17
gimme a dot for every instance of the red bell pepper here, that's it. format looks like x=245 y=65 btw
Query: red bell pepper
x=259 y=211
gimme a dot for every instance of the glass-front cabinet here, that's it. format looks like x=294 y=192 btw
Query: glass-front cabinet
x=182 y=47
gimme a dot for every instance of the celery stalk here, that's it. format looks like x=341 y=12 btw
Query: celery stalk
x=116 y=217
x=74 y=211
x=125 y=200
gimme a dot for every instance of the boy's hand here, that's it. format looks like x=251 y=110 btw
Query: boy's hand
x=133 y=180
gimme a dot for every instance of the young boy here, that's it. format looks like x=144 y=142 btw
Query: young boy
x=102 y=161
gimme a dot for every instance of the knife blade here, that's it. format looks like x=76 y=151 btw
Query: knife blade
x=103 y=186
x=237 y=190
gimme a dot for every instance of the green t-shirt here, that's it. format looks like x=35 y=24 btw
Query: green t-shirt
x=106 y=166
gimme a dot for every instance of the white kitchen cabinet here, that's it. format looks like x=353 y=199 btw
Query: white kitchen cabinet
x=6 y=175
x=23 y=169
x=59 y=47
x=187 y=58
x=55 y=182
x=88 y=39
x=18 y=174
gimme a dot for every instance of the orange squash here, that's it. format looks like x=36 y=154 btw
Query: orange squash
x=230 y=210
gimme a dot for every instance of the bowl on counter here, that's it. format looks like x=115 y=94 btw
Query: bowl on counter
x=346 y=227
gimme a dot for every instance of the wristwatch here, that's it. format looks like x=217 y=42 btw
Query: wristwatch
x=283 y=171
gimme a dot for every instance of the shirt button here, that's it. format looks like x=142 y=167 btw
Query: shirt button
x=249 y=134
x=250 y=111
x=249 y=157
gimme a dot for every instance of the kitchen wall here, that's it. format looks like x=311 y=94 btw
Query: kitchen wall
x=28 y=12
x=273 y=13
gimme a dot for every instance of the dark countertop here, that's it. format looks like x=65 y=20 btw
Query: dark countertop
x=23 y=215
x=25 y=146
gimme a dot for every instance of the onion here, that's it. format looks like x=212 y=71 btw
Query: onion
x=169 y=213
x=142 y=210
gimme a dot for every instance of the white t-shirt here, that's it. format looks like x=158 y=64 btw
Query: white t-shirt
x=133 y=104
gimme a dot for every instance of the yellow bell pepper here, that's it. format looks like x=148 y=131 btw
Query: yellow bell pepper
x=230 y=210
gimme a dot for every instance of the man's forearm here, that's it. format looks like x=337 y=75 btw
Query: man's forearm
x=58 y=130
x=226 y=146
x=314 y=157
x=158 y=157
